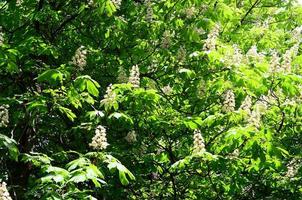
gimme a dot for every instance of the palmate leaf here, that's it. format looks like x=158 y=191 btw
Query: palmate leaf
x=124 y=173
x=87 y=83
x=52 y=76
x=10 y=145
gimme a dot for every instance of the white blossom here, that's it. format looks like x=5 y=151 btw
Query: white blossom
x=237 y=57
x=210 y=43
x=4 y=115
x=293 y=167
x=19 y=2
x=134 y=76
x=275 y=63
x=181 y=54
x=229 y=101
x=110 y=96
x=149 y=12
x=253 y=53
x=287 y=57
x=117 y=3
x=246 y=104
x=4 y=194
x=122 y=76
x=131 y=137
x=1 y=37
x=199 y=145
x=79 y=59
x=166 y=39
x=190 y=12
x=99 y=141
x=90 y=2
x=235 y=154
x=167 y=89
x=255 y=119
x=296 y=34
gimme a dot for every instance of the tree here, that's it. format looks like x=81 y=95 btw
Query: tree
x=155 y=99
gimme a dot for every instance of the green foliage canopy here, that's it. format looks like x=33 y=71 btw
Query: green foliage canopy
x=155 y=99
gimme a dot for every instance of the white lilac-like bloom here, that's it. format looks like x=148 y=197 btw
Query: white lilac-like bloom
x=210 y=43
x=109 y=96
x=255 y=119
x=201 y=88
x=79 y=59
x=167 y=89
x=134 y=76
x=19 y=2
x=275 y=63
x=190 y=12
x=234 y=154
x=253 y=53
x=90 y=2
x=287 y=57
x=149 y=12
x=4 y=194
x=99 y=141
x=122 y=76
x=246 y=104
x=229 y=101
x=117 y=3
x=166 y=40
x=4 y=115
x=296 y=34
x=292 y=168
x=199 y=31
x=237 y=57
x=131 y=137
x=181 y=54
x=198 y=142
x=1 y=37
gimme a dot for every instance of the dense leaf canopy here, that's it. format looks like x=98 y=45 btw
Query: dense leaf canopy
x=154 y=99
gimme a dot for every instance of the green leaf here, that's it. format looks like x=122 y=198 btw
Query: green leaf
x=11 y=146
x=52 y=76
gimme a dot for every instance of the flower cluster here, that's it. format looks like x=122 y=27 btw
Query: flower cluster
x=198 y=142
x=110 y=96
x=4 y=194
x=99 y=141
x=235 y=154
x=229 y=101
x=292 y=168
x=79 y=59
x=149 y=13
x=167 y=89
x=131 y=137
x=275 y=63
x=4 y=116
x=296 y=34
x=117 y=3
x=253 y=54
x=134 y=76
x=166 y=40
x=210 y=43
x=190 y=12
x=1 y=37
x=122 y=76
x=246 y=105
x=181 y=54
x=255 y=119
x=287 y=57
x=90 y=2
x=19 y=2
x=237 y=57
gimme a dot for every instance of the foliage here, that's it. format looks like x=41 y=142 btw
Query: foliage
x=197 y=99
